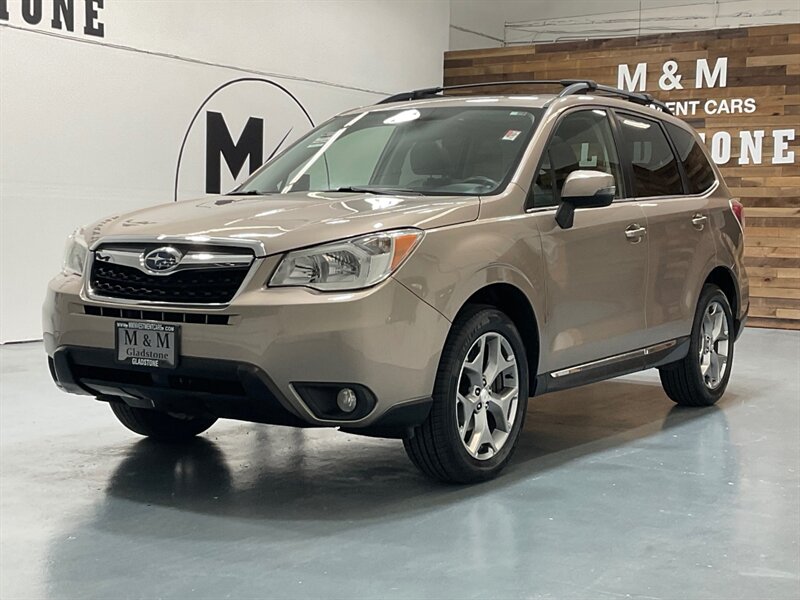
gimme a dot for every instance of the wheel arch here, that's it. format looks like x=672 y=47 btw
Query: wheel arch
x=513 y=302
x=723 y=278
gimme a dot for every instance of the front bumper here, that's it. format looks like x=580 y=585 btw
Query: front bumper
x=385 y=340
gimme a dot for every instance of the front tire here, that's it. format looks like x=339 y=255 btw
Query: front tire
x=160 y=425
x=701 y=377
x=479 y=401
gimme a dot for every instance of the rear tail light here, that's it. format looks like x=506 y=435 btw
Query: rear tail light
x=738 y=211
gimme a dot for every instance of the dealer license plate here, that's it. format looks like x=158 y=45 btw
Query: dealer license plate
x=152 y=345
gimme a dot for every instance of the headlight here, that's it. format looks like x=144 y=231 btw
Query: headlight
x=351 y=264
x=75 y=253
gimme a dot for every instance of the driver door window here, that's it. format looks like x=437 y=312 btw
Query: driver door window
x=581 y=141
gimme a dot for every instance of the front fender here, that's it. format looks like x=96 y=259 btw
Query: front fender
x=454 y=263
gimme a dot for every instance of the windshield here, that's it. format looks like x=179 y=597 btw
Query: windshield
x=431 y=151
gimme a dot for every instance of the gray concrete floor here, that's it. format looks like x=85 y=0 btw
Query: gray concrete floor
x=613 y=493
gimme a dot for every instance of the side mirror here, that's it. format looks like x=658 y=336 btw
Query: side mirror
x=584 y=189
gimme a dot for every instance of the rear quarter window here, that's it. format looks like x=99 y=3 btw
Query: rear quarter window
x=699 y=172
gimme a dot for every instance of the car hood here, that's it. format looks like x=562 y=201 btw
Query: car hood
x=283 y=222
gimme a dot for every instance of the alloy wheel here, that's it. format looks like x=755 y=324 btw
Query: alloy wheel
x=487 y=396
x=714 y=342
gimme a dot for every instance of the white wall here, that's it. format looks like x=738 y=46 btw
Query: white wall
x=91 y=126
x=486 y=24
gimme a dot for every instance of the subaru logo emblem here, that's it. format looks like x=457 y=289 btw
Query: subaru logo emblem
x=162 y=260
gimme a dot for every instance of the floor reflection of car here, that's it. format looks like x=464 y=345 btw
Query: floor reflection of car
x=156 y=492
x=417 y=269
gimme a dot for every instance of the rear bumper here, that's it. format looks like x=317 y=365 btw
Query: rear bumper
x=385 y=342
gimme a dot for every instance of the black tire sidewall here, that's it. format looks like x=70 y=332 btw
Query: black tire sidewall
x=159 y=425
x=485 y=321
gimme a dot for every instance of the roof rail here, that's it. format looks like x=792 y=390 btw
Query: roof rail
x=571 y=87
x=587 y=85
x=434 y=92
x=413 y=95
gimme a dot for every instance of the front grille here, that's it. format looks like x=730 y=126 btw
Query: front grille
x=189 y=383
x=189 y=286
x=156 y=315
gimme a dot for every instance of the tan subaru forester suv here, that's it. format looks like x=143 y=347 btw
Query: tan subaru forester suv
x=417 y=269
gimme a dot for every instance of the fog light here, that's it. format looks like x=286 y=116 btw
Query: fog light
x=346 y=400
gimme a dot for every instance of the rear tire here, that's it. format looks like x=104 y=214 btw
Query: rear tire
x=160 y=425
x=701 y=377
x=474 y=424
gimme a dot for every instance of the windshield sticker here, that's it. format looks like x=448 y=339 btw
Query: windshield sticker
x=511 y=135
x=320 y=141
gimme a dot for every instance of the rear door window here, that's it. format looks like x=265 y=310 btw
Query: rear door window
x=654 y=168
x=699 y=172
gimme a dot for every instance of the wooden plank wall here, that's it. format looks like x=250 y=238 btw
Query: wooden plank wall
x=763 y=64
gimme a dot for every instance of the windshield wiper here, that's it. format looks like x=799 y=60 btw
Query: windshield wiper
x=376 y=190
x=247 y=193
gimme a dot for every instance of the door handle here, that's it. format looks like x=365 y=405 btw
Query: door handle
x=699 y=221
x=635 y=232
